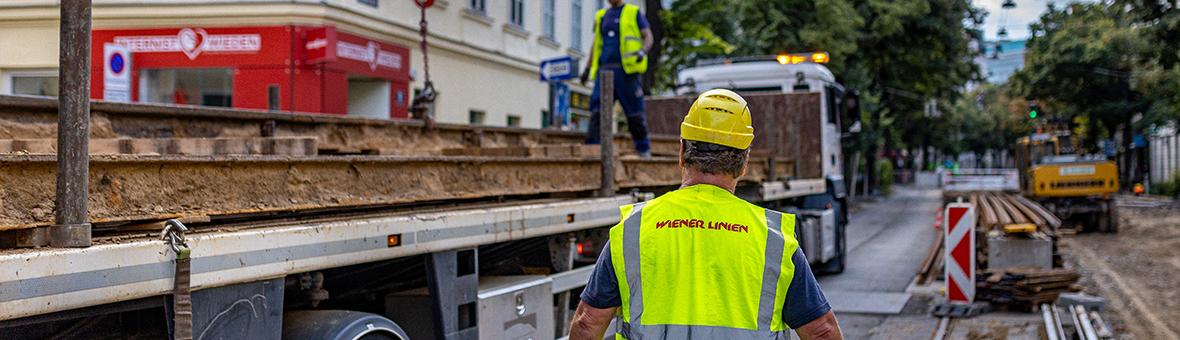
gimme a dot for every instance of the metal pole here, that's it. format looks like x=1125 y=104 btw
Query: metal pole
x=71 y=227
x=606 y=137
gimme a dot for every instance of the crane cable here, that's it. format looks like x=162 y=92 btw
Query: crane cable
x=423 y=101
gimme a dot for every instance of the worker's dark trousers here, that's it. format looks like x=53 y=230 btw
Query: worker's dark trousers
x=629 y=93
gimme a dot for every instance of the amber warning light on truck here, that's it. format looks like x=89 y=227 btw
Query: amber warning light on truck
x=799 y=58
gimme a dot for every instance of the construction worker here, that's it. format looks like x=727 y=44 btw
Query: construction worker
x=621 y=41
x=699 y=262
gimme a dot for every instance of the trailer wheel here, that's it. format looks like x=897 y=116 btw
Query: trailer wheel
x=339 y=325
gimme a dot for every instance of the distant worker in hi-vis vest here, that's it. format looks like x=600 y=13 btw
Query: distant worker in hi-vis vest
x=621 y=41
x=699 y=262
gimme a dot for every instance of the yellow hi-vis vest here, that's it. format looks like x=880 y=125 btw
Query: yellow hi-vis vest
x=701 y=263
x=630 y=41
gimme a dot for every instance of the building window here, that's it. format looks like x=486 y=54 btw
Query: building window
x=477 y=5
x=476 y=117
x=273 y=97
x=549 y=19
x=368 y=2
x=516 y=12
x=190 y=86
x=576 y=25
x=513 y=121
x=32 y=83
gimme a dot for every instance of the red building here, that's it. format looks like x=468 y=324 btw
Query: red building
x=283 y=68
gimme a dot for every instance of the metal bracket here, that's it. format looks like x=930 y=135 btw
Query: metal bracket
x=453 y=281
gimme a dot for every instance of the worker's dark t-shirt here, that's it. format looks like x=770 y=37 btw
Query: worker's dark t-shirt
x=610 y=35
x=805 y=302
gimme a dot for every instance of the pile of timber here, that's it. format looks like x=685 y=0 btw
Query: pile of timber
x=999 y=210
x=1023 y=288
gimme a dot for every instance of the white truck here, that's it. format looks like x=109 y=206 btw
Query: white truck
x=800 y=115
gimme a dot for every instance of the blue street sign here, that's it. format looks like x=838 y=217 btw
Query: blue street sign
x=561 y=103
x=557 y=69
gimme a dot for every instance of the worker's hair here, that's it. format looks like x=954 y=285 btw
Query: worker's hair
x=714 y=159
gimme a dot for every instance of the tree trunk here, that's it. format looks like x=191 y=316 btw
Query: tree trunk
x=873 y=150
x=654 y=7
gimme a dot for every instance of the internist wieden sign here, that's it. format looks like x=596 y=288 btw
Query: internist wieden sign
x=192 y=42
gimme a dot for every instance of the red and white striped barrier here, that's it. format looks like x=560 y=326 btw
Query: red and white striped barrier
x=960 y=252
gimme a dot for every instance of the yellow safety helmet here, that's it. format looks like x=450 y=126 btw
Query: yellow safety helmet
x=720 y=117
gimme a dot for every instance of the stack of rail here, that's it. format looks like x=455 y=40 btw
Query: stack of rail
x=155 y=162
x=997 y=214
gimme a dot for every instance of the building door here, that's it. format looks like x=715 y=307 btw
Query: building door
x=369 y=98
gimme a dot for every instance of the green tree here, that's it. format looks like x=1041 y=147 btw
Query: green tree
x=792 y=26
x=693 y=31
x=912 y=51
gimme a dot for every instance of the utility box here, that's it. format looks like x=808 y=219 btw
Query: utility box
x=1009 y=252
x=509 y=307
x=816 y=232
x=516 y=307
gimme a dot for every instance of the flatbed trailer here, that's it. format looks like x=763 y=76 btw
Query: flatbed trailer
x=262 y=271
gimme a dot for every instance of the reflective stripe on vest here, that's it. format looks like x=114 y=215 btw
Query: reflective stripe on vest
x=630 y=41
x=630 y=318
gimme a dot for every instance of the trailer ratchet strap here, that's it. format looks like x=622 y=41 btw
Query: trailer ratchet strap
x=182 y=303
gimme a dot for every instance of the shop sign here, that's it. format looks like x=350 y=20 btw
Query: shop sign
x=116 y=75
x=320 y=46
x=192 y=42
x=370 y=53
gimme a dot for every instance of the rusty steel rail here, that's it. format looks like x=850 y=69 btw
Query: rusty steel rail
x=24 y=117
x=127 y=188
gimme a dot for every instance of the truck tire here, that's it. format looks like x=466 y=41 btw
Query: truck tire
x=1111 y=218
x=339 y=325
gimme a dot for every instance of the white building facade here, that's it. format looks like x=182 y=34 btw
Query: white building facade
x=484 y=54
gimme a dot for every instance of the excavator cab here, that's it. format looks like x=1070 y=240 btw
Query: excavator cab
x=1068 y=183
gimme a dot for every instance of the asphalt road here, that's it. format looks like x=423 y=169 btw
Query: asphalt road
x=887 y=240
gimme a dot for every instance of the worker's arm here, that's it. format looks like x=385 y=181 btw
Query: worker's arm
x=589 y=322
x=806 y=309
x=600 y=298
x=586 y=72
x=648 y=39
x=823 y=328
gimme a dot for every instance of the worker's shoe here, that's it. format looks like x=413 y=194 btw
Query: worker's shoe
x=645 y=154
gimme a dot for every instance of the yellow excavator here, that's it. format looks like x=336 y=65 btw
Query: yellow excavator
x=1074 y=187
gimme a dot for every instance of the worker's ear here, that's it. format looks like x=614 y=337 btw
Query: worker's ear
x=745 y=164
x=682 y=153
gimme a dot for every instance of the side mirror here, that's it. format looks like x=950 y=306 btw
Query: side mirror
x=852 y=130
